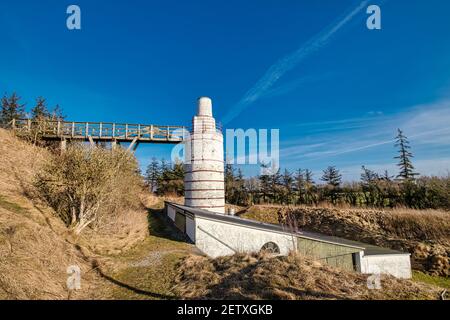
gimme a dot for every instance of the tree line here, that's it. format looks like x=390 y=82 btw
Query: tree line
x=165 y=178
x=374 y=189
x=11 y=107
x=284 y=187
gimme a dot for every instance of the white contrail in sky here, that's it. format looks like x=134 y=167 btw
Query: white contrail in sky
x=277 y=70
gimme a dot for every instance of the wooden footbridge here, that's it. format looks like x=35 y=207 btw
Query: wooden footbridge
x=99 y=132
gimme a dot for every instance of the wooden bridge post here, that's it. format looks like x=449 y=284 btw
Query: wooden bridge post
x=58 y=129
x=91 y=141
x=101 y=127
x=133 y=145
x=63 y=145
x=29 y=124
x=73 y=129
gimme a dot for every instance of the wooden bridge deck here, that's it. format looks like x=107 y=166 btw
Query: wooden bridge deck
x=102 y=131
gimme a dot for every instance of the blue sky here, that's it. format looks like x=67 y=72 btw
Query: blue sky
x=336 y=90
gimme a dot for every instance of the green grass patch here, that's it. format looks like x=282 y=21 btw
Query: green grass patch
x=151 y=282
x=148 y=270
x=443 y=282
x=10 y=206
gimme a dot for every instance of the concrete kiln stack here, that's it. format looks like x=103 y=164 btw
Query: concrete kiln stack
x=204 y=178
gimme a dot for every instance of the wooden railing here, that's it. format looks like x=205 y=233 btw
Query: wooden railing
x=107 y=131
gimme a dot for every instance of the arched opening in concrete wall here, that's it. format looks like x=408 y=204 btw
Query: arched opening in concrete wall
x=271 y=248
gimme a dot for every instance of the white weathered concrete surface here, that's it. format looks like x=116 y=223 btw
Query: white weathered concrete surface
x=190 y=228
x=204 y=173
x=171 y=212
x=397 y=265
x=216 y=238
x=204 y=106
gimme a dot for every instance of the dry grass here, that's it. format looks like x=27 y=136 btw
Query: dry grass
x=423 y=233
x=36 y=247
x=244 y=276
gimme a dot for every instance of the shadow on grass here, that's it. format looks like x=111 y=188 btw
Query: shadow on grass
x=161 y=226
x=96 y=267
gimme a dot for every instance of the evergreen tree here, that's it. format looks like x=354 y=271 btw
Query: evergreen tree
x=164 y=167
x=57 y=114
x=288 y=184
x=309 y=177
x=152 y=174
x=309 y=187
x=299 y=180
x=40 y=111
x=11 y=108
x=241 y=192
x=229 y=182
x=404 y=157
x=386 y=176
x=171 y=178
x=368 y=176
x=275 y=185
x=332 y=176
x=288 y=180
x=265 y=181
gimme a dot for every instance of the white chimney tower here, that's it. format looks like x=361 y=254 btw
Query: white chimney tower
x=204 y=174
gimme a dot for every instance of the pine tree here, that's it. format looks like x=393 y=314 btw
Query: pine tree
x=287 y=179
x=57 y=114
x=309 y=177
x=386 y=176
x=264 y=180
x=152 y=174
x=368 y=176
x=40 y=111
x=288 y=185
x=332 y=176
x=275 y=184
x=229 y=182
x=164 y=167
x=404 y=158
x=300 y=186
x=11 y=108
x=241 y=192
x=299 y=180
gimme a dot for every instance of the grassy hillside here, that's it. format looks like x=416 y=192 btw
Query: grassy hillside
x=34 y=251
x=36 y=248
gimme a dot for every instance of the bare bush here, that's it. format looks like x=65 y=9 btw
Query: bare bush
x=87 y=185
